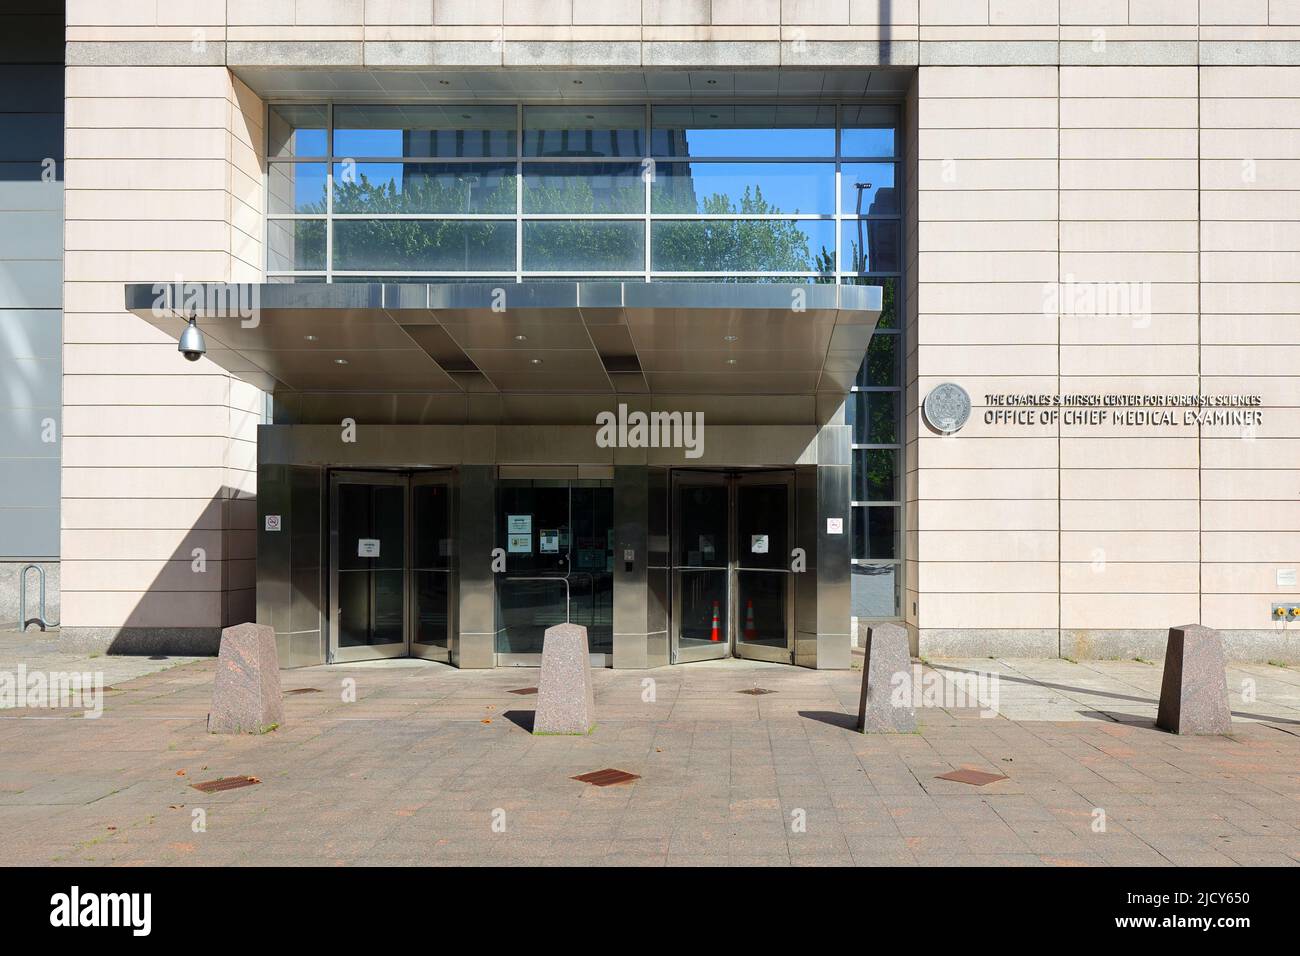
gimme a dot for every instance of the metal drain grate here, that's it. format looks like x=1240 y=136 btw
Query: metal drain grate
x=522 y=691
x=302 y=690
x=225 y=783
x=607 y=777
x=976 y=778
x=755 y=691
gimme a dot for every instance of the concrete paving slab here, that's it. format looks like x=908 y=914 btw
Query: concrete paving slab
x=425 y=762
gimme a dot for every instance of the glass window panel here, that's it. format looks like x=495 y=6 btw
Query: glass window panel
x=419 y=131
x=869 y=245
x=584 y=188
x=875 y=473
x=869 y=131
x=867 y=189
x=557 y=245
x=296 y=187
x=427 y=280
x=880 y=367
x=596 y=131
x=295 y=245
x=777 y=279
x=296 y=131
x=743 y=245
x=423 y=245
x=721 y=188
x=424 y=188
x=875 y=590
x=743 y=130
x=873 y=416
x=875 y=532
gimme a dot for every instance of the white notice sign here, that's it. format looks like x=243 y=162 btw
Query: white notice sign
x=367 y=547
x=1286 y=577
x=758 y=543
x=834 y=525
x=548 y=541
x=272 y=522
x=519 y=524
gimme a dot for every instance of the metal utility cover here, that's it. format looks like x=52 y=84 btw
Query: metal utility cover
x=977 y=778
x=607 y=777
x=225 y=783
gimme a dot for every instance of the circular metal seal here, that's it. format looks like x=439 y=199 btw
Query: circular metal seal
x=947 y=407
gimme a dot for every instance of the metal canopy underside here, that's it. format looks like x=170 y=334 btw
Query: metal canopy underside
x=388 y=84
x=539 y=337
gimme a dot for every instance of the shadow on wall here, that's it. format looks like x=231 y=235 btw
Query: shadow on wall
x=208 y=582
x=886 y=11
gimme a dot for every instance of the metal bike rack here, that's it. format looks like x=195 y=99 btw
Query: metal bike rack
x=22 y=599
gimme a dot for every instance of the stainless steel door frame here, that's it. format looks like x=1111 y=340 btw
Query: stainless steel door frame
x=371 y=651
x=763 y=652
x=432 y=652
x=731 y=645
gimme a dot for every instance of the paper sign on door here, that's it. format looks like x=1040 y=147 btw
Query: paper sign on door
x=367 y=547
x=758 y=543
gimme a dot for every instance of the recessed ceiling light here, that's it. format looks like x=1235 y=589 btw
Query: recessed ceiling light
x=310 y=338
x=535 y=361
x=577 y=82
x=731 y=361
x=730 y=338
x=521 y=338
x=711 y=82
x=340 y=361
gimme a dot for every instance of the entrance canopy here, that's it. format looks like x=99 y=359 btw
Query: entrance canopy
x=540 y=337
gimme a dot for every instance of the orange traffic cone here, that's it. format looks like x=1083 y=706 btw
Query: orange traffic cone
x=750 y=631
x=714 y=635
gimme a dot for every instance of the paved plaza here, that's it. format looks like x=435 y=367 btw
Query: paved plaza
x=409 y=762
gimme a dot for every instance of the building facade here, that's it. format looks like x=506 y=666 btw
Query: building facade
x=988 y=307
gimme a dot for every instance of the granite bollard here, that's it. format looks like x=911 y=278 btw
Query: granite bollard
x=246 y=696
x=565 y=698
x=887 y=654
x=1194 y=689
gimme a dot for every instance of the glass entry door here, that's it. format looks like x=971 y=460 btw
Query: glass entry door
x=733 y=588
x=391 y=551
x=701 y=565
x=431 y=566
x=557 y=538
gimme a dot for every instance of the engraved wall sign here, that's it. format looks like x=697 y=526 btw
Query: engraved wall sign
x=946 y=408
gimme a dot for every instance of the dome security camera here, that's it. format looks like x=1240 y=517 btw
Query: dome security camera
x=192 y=344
